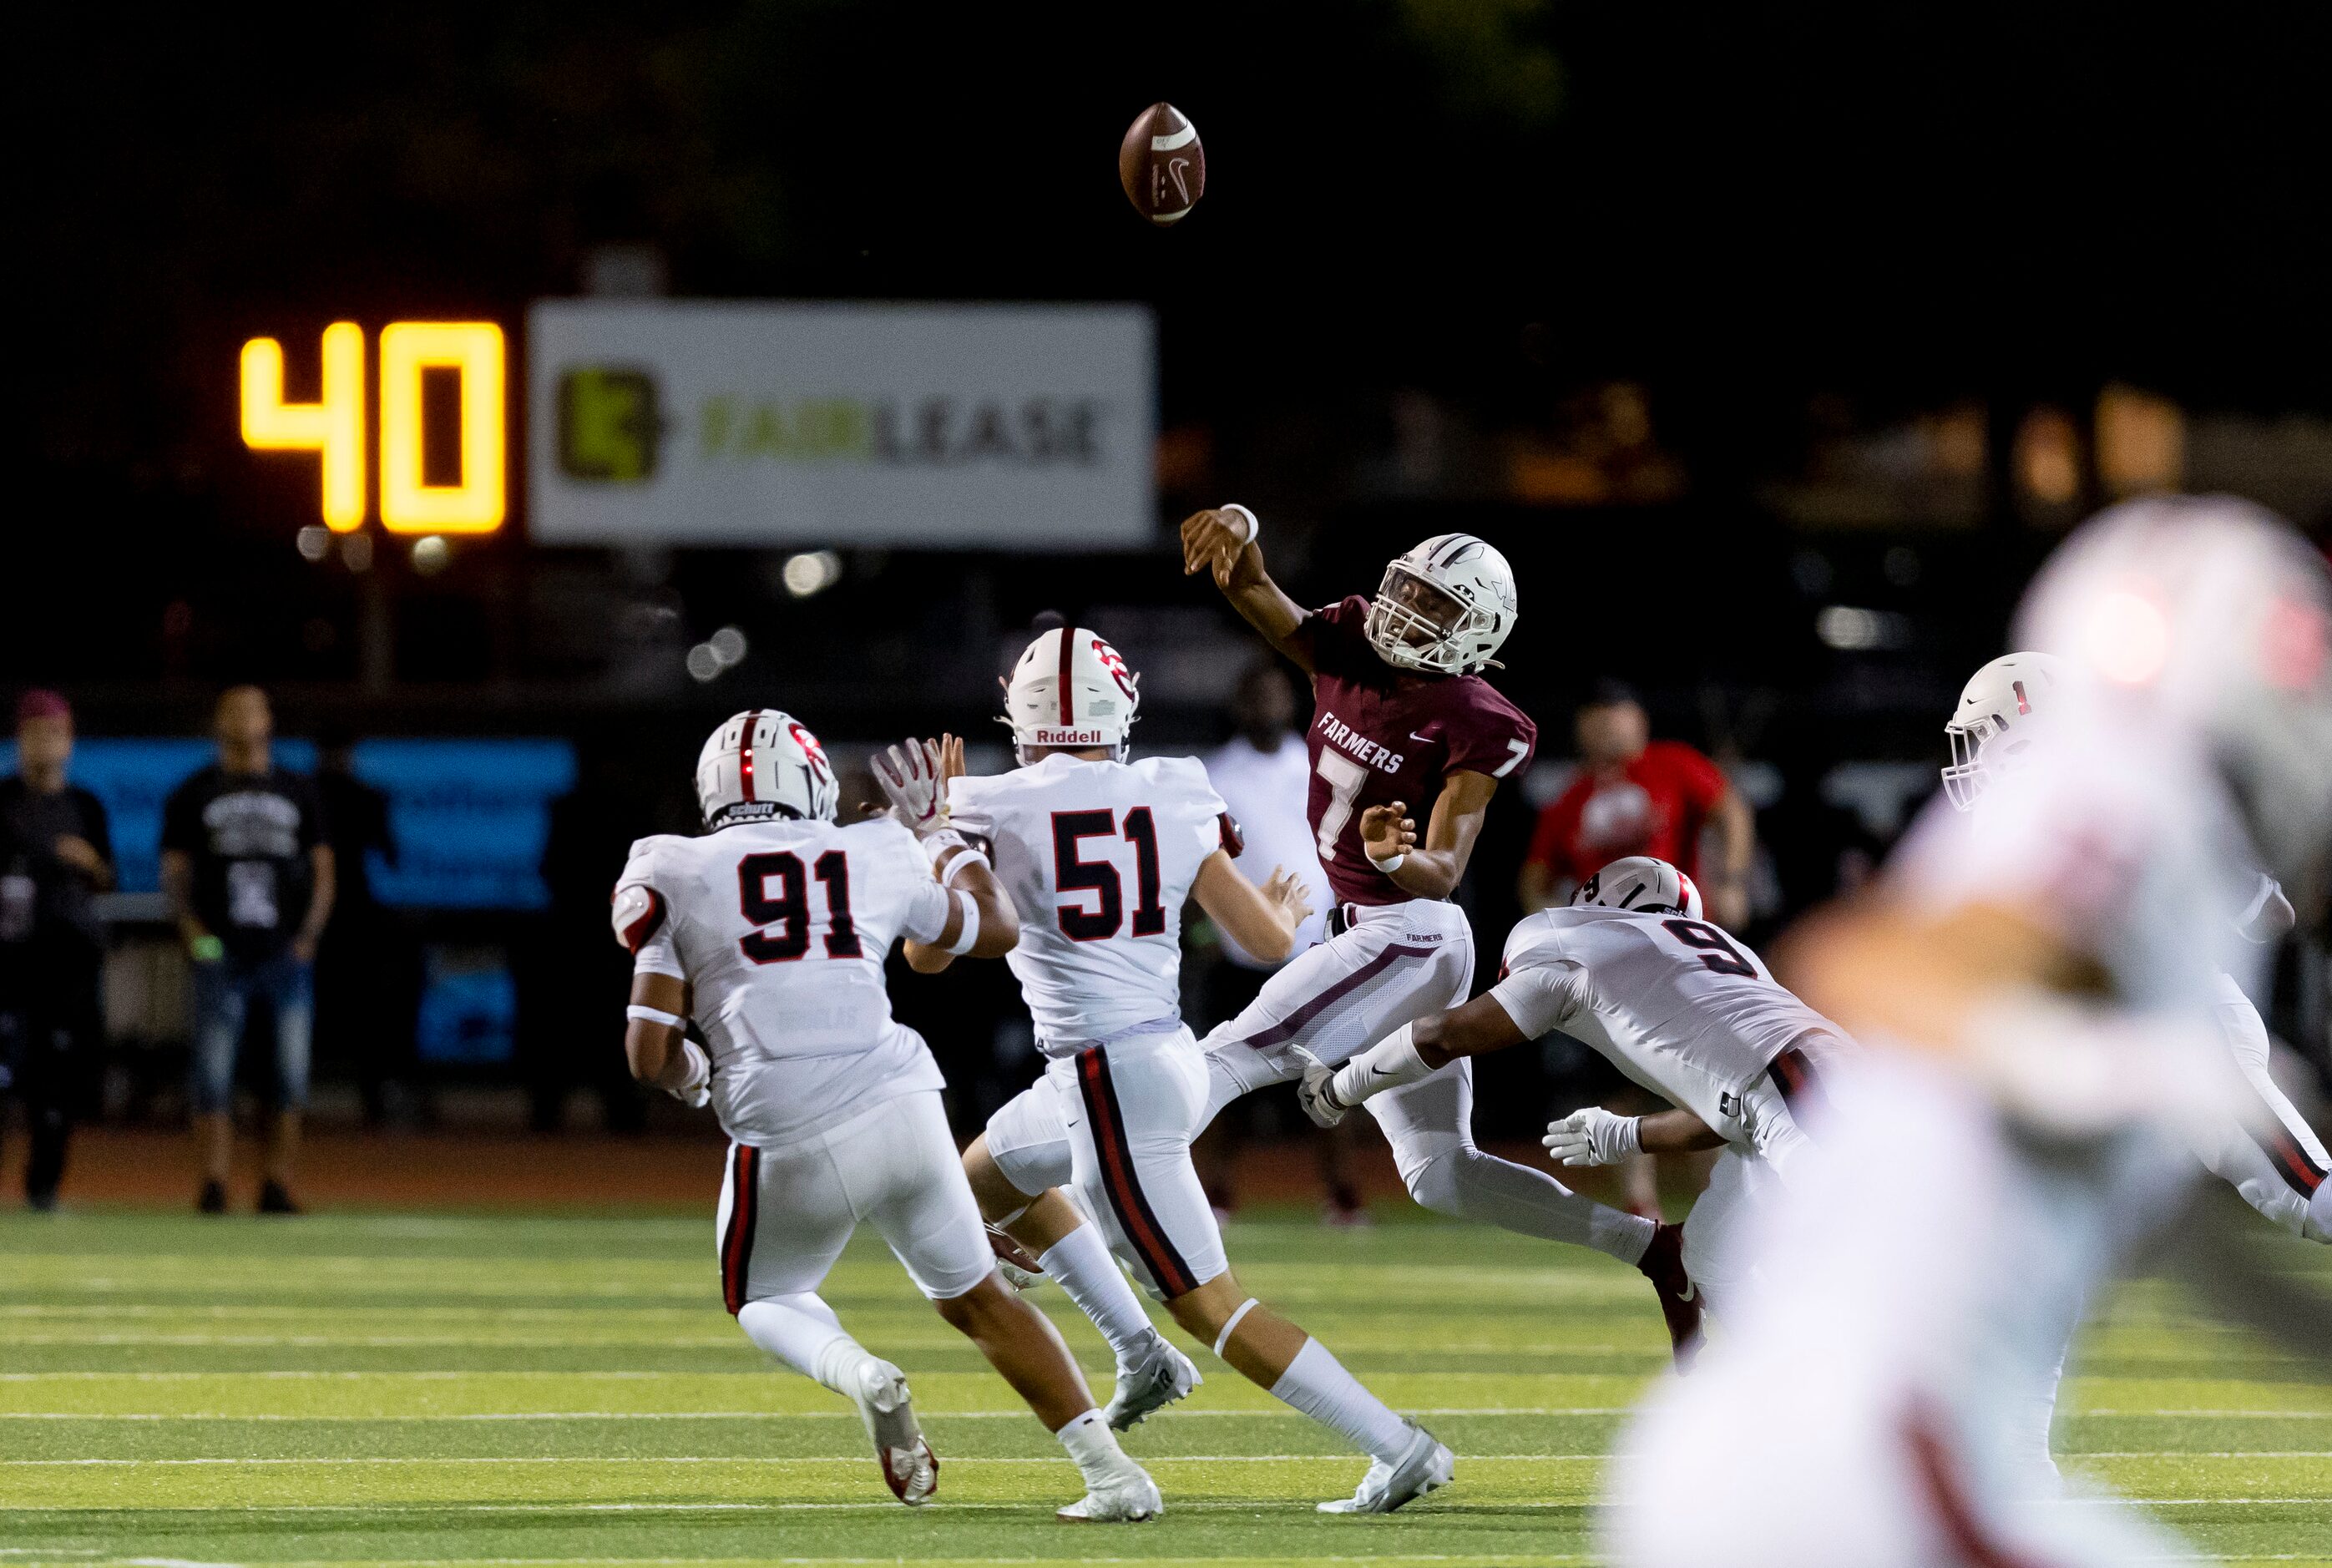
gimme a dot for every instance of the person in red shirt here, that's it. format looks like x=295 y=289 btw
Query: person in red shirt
x=1637 y=796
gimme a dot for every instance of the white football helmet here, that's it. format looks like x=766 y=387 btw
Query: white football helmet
x=2205 y=624
x=762 y=764
x=1444 y=608
x=1070 y=688
x=1644 y=883
x=2002 y=710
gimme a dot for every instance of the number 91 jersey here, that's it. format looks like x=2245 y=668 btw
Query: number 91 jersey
x=780 y=929
x=1098 y=858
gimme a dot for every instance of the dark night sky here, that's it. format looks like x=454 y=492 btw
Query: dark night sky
x=1906 y=201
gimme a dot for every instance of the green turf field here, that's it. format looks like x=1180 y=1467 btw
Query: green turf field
x=436 y=1389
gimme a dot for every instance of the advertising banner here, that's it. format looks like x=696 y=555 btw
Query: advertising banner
x=758 y=424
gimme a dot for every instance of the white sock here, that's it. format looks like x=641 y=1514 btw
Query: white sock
x=1316 y=1384
x=1080 y=1264
x=1093 y=1447
x=802 y=1331
x=1390 y=1063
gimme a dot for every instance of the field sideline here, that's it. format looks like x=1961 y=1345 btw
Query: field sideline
x=433 y=1389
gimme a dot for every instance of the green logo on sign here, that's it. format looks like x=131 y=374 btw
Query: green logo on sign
x=609 y=425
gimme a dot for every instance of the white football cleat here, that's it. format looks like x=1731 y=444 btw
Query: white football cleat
x=1164 y=1375
x=1128 y=1499
x=908 y=1466
x=1425 y=1466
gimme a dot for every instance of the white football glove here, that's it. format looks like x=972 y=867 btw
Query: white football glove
x=1313 y=1092
x=1593 y=1137
x=909 y=774
x=695 y=1091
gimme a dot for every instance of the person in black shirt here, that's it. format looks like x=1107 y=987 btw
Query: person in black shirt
x=55 y=852
x=250 y=874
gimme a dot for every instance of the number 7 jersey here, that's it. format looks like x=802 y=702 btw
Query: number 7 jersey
x=1376 y=738
x=780 y=929
x=1098 y=858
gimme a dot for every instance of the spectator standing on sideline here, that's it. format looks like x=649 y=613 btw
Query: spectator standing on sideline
x=1637 y=796
x=1264 y=775
x=249 y=872
x=55 y=852
x=363 y=968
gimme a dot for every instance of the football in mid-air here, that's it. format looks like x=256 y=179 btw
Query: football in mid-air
x=1162 y=165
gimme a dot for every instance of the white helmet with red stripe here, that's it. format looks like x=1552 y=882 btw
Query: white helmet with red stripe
x=1071 y=689
x=2002 y=710
x=1644 y=883
x=762 y=764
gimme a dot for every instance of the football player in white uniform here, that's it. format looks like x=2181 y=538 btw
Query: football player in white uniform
x=2034 y=991
x=1099 y=855
x=769 y=933
x=2270 y=1155
x=1631 y=970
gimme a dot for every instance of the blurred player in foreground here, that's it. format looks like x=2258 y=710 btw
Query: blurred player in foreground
x=2262 y=1147
x=1401 y=714
x=770 y=932
x=1100 y=855
x=1633 y=970
x=2036 y=993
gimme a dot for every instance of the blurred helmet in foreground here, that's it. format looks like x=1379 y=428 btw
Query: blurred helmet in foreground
x=2005 y=707
x=1444 y=608
x=1071 y=689
x=762 y=764
x=2206 y=623
x=1644 y=883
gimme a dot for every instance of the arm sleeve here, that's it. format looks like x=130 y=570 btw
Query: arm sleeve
x=1209 y=816
x=642 y=916
x=1492 y=739
x=970 y=816
x=928 y=904
x=1541 y=997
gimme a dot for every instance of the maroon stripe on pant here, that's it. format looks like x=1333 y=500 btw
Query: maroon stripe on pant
x=737 y=1242
x=1797 y=1081
x=1119 y=1182
x=1294 y=1023
x=1936 y=1468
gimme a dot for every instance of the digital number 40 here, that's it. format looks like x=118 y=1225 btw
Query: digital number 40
x=333 y=426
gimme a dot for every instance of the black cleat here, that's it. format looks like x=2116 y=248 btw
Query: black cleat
x=212 y=1199
x=1663 y=1265
x=274 y=1199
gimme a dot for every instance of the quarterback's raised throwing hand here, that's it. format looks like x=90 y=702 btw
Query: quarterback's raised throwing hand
x=1593 y=1137
x=1217 y=539
x=910 y=775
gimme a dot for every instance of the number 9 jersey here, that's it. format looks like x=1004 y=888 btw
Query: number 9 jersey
x=780 y=929
x=1098 y=858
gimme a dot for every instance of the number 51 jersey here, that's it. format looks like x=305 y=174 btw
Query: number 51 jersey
x=781 y=928
x=1675 y=1004
x=1099 y=858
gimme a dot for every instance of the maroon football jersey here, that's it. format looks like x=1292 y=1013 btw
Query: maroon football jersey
x=1375 y=741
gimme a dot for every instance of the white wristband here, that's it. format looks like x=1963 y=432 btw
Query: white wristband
x=969 y=907
x=1254 y=524
x=1390 y=863
x=656 y=1016
x=969 y=858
